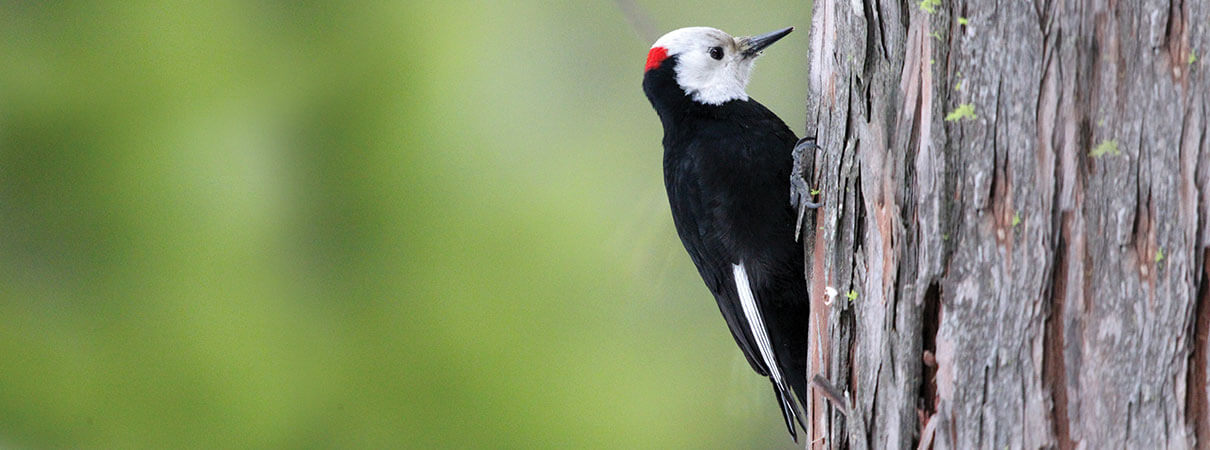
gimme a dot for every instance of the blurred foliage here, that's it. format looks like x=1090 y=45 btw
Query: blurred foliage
x=357 y=224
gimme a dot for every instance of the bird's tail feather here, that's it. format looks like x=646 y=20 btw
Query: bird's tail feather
x=789 y=411
x=797 y=379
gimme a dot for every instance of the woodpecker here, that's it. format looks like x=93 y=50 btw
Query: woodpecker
x=727 y=164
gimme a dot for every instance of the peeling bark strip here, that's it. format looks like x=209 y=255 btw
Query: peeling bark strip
x=1017 y=194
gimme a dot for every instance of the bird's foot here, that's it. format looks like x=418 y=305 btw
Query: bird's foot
x=801 y=193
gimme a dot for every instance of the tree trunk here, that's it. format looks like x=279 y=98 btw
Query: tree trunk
x=1014 y=223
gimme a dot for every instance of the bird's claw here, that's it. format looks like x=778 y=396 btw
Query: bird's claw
x=801 y=193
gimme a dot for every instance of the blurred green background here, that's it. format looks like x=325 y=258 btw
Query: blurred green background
x=341 y=224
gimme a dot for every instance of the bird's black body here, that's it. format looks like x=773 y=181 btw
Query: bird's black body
x=727 y=172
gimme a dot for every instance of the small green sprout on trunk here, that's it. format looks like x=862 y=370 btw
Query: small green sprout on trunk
x=965 y=111
x=1109 y=147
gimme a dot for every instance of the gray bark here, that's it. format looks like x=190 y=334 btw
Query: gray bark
x=1031 y=274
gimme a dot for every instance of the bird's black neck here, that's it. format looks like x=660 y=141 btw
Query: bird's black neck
x=674 y=105
x=684 y=118
x=670 y=101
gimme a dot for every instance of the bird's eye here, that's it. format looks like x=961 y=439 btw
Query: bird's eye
x=716 y=52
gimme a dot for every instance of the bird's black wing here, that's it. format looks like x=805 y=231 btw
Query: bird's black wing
x=708 y=236
x=699 y=230
x=728 y=184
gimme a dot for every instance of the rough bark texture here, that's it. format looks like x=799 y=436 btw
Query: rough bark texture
x=1028 y=274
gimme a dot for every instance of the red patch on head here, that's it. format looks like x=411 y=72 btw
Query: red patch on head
x=655 y=57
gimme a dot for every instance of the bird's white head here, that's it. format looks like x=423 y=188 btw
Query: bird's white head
x=711 y=66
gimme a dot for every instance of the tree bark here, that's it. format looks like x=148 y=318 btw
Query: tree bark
x=1014 y=223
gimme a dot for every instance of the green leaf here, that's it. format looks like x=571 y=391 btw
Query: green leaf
x=1159 y=254
x=1016 y=219
x=814 y=192
x=929 y=6
x=964 y=111
x=962 y=21
x=1192 y=56
x=1109 y=147
x=852 y=294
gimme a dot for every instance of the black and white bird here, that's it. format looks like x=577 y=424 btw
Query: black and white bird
x=727 y=163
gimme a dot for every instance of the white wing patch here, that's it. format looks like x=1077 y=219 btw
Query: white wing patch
x=756 y=323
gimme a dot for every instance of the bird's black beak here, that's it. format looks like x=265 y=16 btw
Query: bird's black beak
x=751 y=46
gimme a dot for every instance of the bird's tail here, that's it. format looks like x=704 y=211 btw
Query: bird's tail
x=792 y=390
x=789 y=410
x=796 y=378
